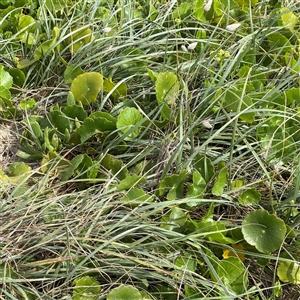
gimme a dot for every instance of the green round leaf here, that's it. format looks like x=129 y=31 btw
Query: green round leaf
x=166 y=87
x=86 y=288
x=124 y=292
x=249 y=197
x=128 y=120
x=86 y=87
x=264 y=231
x=18 y=76
x=6 y=80
x=289 y=272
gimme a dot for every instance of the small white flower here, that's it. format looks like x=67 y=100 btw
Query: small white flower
x=192 y=46
x=183 y=48
x=233 y=27
x=208 y=4
x=106 y=30
x=206 y=124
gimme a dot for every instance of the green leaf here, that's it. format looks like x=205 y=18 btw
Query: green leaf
x=6 y=80
x=174 y=185
x=204 y=166
x=249 y=197
x=18 y=76
x=279 y=43
x=234 y=101
x=124 y=292
x=24 y=63
x=199 y=10
x=233 y=274
x=79 y=37
x=71 y=72
x=174 y=220
x=130 y=181
x=128 y=121
x=80 y=165
x=27 y=23
x=117 y=90
x=289 y=272
x=197 y=188
x=220 y=183
x=18 y=169
x=292 y=96
x=98 y=122
x=115 y=166
x=186 y=262
x=27 y=103
x=86 y=288
x=136 y=196
x=59 y=121
x=75 y=111
x=288 y=18
x=86 y=87
x=214 y=231
x=166 y=87
x=264 y=231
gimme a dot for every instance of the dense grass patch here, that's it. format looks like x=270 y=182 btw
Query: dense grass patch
x=157 y=149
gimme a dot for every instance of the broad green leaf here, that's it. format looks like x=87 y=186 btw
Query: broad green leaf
x=174 y=185
x=182 y=11
x=214 y=231
x=288 y=18
x=246 y=3
x=117 y=90
x=198 y=13
x=124 y=292
x=27 y=22
x=79 y=37
x=24 y=63
x=80 y=165
x=220 y=183
x=59 y=121
x=86 y=87
x=279 y=43
x=128 y=121
x=27 y=103
x=204 y=166
x=174 y=220
x=98 y=122
x=186 y=262
x=292 y=96
x=6 y=80
x=197 y=188
x=75 y=111
x=18 y=169
x=264 y=231
x=152 y=74
x=18 y=76
x=130 y=181
x=289 y=272
x=5 y=94
x=249 y=197
x=233 y=274
x=167 y=88
x=86 y=288
x=235 y=101
x=115 y=166
x=136 y=196
x=71 y=72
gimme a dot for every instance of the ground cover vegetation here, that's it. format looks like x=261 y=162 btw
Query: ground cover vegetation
x=158 y=149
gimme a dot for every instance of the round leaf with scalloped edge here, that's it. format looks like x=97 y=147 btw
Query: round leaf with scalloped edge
x=264 y=231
